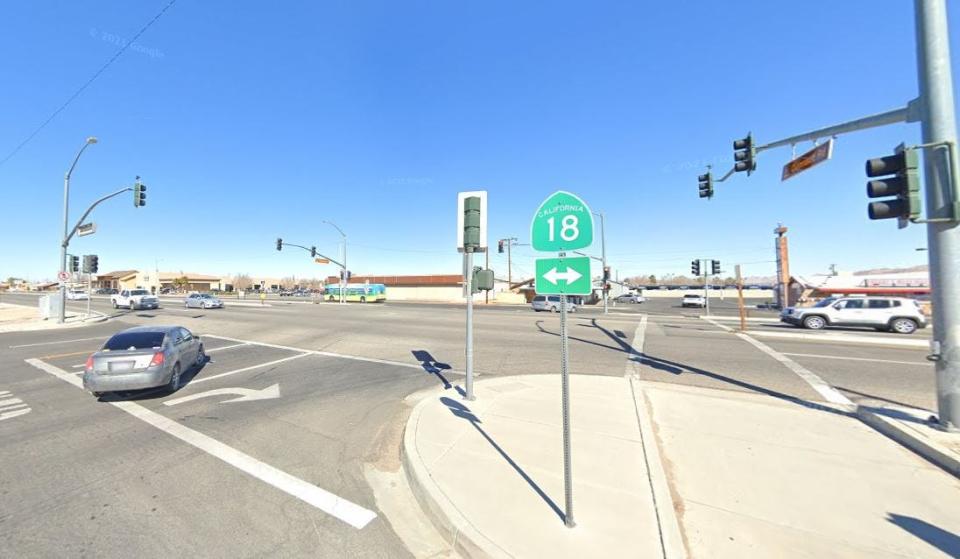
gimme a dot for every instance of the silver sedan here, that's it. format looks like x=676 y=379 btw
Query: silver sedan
x=203 y=301
x=143 y=357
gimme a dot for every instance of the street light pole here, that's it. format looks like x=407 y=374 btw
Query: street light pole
x=343 y=275
x=938 y=125
x=603 y=259
x=64 y=242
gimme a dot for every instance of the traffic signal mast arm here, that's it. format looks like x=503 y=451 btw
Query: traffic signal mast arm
x=312 y=252
x=66 y=240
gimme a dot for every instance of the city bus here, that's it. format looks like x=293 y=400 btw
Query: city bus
x=362 y=293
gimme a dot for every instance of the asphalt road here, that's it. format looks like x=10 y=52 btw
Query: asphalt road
x=154 y=474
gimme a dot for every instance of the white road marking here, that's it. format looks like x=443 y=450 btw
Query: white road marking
x=224 y=347
x=349 y=512
x=917 y=363
x=632 y=368
x=57 y=342
x=815 y=382
x=11 y=403
x=845 y=338
x=723 y=327
x=417 y=366
x=246 y=395
x=4 y=393
x=250 y=368
x=11 y=407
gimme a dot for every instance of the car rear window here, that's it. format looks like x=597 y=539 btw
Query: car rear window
x=539 y=298
x=134 y=340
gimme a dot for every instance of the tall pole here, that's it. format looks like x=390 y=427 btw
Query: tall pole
x=743 y=310
x=603 y=259
x=509 y=264
x=706 y=286
x=938 y=124
x=343 y=272
x=565 y=405
x=486 y=292
x=468 y=283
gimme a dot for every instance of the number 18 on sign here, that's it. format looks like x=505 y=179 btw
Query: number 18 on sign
x=562 y=223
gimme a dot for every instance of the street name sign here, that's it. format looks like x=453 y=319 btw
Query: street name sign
x=817 y=155
x=86 y=229
x=562 y=222
x=563 y=276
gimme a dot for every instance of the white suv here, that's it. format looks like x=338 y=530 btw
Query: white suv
x=693 y=300
x=134 y=299
x=895 y=314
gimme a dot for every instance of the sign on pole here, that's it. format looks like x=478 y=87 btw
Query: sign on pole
x=322 y=260
x=86 y=229
x=63 y=276
x=562 y=222
x=563 y=276
x=817 y=155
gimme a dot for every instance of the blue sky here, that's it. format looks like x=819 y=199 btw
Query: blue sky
x=249 y=121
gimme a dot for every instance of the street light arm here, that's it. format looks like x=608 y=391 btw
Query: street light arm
x=75 y=159
x=342 y=234
x=66 y=239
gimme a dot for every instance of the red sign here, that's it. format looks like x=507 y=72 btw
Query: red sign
x=818 y=154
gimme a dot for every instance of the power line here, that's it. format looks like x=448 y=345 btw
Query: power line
x=87 y=83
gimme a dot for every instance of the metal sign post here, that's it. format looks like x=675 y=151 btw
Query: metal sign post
x=563 y=222
x=471 y=237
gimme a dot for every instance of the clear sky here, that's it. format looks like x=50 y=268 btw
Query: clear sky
x=250 y=121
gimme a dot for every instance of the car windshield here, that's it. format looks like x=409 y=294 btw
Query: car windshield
x=134 y=340
x=139 y=292
x=825 y=303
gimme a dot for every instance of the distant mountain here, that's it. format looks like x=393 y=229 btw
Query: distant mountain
x=920 y=268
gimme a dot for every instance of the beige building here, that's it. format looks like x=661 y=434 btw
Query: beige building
x=157 y=281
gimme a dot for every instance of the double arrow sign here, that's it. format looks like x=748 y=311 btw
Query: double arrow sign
x=573 y=280
x=568 y=277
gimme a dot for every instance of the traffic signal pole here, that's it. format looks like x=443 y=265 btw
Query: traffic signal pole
x=938 y=124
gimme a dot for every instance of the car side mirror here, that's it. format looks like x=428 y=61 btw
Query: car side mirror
x=838 y=306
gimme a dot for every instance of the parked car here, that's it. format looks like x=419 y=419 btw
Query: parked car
x=630 y=298
x=693 y=300
x=143 y=357
x=77 y=295
x=203 y=301
x=895 y=314
x=135 y=299
x=551 y=303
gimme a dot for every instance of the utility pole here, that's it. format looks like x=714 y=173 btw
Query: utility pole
x=938 y=125
x=783 y=266
x=603 y=258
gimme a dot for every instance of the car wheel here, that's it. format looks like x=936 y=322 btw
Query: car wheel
x=553 y=309
x=903 y=326
x=201 y=356
x=814 y=322
x=97 y=394
x=174 y=383
x=186 y=305
x=363 y=299
x=115 y=305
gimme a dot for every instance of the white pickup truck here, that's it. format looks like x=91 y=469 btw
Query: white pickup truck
x=135 y=299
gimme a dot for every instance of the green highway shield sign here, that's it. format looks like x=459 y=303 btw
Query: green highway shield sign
x=563 y=276
x=562 y=222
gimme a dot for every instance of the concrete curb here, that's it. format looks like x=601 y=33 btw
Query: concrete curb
x=671 y=533
x=844 y=339
x=912 y=439
x=449 y=522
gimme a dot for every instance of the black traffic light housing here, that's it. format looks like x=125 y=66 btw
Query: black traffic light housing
x=279 y=243
x=714 y=267
x=139 y=194
x=744 y=155
x=74 y=263
x=94 y=264
x=313 y=252
x=606 y=274
x=706 y=185
x=897 y=175
x=695 y=268
x=500 y=246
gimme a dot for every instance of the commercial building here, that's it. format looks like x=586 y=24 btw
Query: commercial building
x=157 y=281
x=807 y=289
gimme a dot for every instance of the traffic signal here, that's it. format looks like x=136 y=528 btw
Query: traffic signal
x=279 y=243
x=313 y=252
x=695 y=268
x=139 y=194
x=94 y=264
x=898 y=176
x=482 y=280
x=714 y=267
x=500 y=246
x=744 y=155
x=74 y=263
x=606 y=274
x=471 y=224
x=706 y=185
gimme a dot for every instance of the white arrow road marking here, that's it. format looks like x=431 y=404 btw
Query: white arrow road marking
x=246 y=395
x=570 y=275
x=338 y=507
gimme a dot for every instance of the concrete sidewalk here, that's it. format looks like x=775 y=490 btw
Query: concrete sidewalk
x=670 y=471
x=489 y=473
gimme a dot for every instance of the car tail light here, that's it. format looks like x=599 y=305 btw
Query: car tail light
x=89 y=364
x=157 y=359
